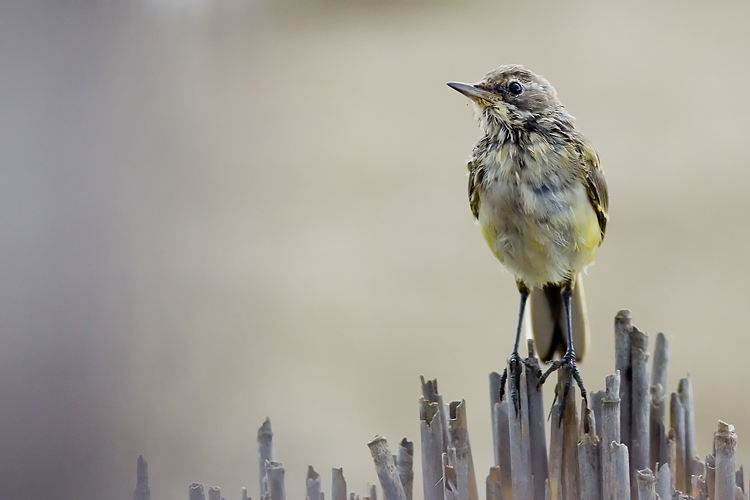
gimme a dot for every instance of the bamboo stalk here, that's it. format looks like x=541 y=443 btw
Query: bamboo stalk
x=494 y=489
x=195 y=492
x=275 y=474
x=646 y=484
x=338 y=484
x=265 y=453
x=430 y=393
x=537 y=435
x=214 y=493
x=459 y=439
x=664 y=482
x=142 y=491
x=431 y=432
x=313 y=485
x=519 y=443
x=677 y=420
x=386 y=469
x=502 y=447
x=404 y=466
x=623 y=327
x=640 y=409
x=725 y=444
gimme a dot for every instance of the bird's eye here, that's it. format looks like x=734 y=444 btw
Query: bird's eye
x=515 y=88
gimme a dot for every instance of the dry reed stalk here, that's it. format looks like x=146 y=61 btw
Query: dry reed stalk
x=660 y=365
x=265 y=453
x=589 y=457
x=685 y=392
x=338 y=484
x=725 y=444
x=142 y=491
x=458 y=432
x=214 y=493
x=431 y=394
x=677 y=420
x=664 y=482
x=244 y=494
x=431 y=432
x=450 y=483
x=519 y=443
x=275 y=475
x=501 y=421
x=494 y=489
x=386 y=469
x=640 y=404
x=537 y=435
x=195 y=492
x=623 y=327
x=313 y=485
x=645 y=484
x=404 y=465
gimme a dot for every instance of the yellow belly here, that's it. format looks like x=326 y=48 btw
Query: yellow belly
x=543 y=245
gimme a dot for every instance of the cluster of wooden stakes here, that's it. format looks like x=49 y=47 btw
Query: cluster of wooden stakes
x=617 y=448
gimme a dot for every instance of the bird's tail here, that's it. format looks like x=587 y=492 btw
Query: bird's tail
x=546 y=320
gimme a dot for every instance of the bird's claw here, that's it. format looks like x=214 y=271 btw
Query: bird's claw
x=569 y=362
x=514 y=363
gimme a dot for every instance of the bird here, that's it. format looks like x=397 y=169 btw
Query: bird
x=539 y=195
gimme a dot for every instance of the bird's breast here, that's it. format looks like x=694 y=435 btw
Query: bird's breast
x=535 y=215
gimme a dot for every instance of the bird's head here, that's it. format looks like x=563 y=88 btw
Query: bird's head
x=512 y=97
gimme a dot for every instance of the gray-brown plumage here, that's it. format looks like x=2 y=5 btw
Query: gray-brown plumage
x=539 y=194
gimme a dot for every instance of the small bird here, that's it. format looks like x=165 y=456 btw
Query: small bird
x=539 y=195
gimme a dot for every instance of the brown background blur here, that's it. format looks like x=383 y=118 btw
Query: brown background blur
x=214 y=212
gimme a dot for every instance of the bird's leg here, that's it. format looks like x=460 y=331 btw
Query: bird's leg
x=515 y=358
x=569 y=358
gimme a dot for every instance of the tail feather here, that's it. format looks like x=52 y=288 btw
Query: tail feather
x=546 y=320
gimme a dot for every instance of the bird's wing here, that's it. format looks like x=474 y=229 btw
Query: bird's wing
x=596 y=185
x=476 y=176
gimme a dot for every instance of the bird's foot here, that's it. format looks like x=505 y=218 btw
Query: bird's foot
x=569 y=362
x=514 y=363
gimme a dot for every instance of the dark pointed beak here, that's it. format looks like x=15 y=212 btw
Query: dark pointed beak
x=473 y=92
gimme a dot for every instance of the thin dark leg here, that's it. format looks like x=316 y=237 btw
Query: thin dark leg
x=569 y=358
x=515 y=358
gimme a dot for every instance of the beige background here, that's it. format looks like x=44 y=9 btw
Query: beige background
x=215 y=212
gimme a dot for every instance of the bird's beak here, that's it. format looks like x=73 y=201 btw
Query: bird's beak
x=474 y=93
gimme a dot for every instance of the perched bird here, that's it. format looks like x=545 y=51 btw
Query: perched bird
x=539 y=194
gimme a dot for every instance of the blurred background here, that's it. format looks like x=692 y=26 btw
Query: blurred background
x=218 y=211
